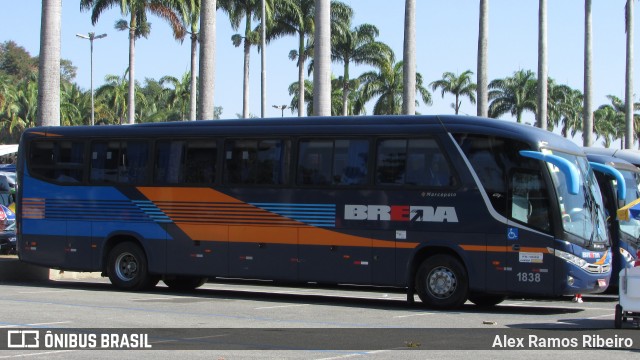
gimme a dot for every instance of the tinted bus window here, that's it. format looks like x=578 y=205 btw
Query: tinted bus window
x=498 y=164
x=119 y=161
x=61 y=161
x=333 y=162
x=260 y=162
x=412 y=162
x=190 y=162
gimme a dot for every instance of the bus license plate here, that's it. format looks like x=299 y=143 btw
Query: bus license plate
x=602 y=282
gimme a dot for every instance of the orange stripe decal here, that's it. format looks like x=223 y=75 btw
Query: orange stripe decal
x=208 y=215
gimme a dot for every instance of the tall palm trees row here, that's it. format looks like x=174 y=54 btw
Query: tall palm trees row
x=323 y=10
x=169 y=99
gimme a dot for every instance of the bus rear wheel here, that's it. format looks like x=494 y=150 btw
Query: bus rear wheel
x=184 y=283
x=127 y=268
x=442 y=282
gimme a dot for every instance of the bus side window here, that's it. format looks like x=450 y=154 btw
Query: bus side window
x=314 y=162
x=61 y=161
x=350 y=162
x=104 y=161
x=263 y=162
x=135 y=155
x=201 y=162
x=169 y=163
x=392 y=162
x=417 y=162
x=528 y=202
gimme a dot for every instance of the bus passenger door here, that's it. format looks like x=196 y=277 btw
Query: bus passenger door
x=528 y=235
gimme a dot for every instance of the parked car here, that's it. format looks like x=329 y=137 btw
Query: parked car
x=8 y=240
x=7 y=217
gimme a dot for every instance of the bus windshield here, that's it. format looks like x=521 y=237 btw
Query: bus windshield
x=582 y=213
x=632 y=181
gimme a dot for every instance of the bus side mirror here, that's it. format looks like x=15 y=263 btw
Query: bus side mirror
x=622 y=188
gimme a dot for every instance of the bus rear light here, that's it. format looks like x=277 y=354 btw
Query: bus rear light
x=637 y=263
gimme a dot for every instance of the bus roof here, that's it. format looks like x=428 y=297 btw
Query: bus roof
x=616 y=163
x=389 y=124
x=632 y=156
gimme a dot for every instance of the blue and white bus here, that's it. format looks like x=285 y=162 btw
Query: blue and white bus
x=452 y=208
x=618 y=190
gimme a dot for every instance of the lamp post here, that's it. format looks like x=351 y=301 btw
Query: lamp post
x=91 y=36
x=281 y=108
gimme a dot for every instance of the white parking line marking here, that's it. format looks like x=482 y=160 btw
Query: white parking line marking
x=410 y=315
x=35 y=354
x=161 y=298
x=35 y=324
x=279 y=306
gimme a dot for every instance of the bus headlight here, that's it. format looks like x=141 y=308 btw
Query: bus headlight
x=570 y=280
x=628 y=258
x=572 y=259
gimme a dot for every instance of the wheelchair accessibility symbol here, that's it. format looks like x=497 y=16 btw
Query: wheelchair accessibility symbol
x=512 y=233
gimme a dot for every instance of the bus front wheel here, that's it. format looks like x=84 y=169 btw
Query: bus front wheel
x=441 y=282
x=127 y=268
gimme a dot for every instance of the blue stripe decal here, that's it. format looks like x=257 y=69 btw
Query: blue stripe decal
x=104 y=210
x=320 y=215
x=152 y=211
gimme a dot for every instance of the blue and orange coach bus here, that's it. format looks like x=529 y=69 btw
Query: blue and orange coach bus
x=452 y=208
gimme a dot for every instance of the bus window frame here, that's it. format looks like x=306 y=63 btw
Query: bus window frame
x=432 y=136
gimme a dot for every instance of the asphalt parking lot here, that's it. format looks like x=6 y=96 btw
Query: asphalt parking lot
x=251 y=312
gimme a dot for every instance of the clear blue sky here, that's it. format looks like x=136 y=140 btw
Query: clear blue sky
x=446 y=41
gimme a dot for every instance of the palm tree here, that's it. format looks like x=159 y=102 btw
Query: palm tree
x=138 y=26
x=483 y=49
x=571 y=112
x=237 y=11
x=26 y=104
x=178 y=97
x=409 y=56
x=457 y=85
x=49 y=64
x=358 y=46
x=322 y=59
x=355 y=107
x=621 y=108
x=297 y=18
x=609 y=124
x=190 y=13
x=115 y=93
x=628 y=89
x=513 y=95
x=387 y=85
x=206 y=108
x=587 y=113
x=75 y=105
x=542 y=65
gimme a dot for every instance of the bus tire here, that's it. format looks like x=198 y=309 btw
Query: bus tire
x=486 y=300
x=617 y=322
x=184 y=283
x=127 y=268
x=442 y=282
